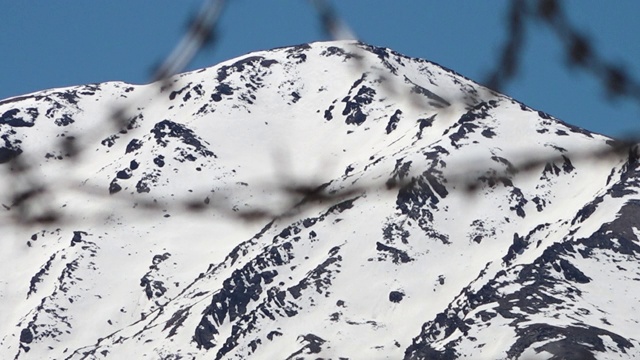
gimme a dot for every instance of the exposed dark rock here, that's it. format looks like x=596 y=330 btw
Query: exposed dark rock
x=297 y=53
x=393 y=121
x=166 y=129
x=178 y=92
x=144 y=184
x=37 y=278
x=521 y=243
x=152 y=288
x=10 y=118
x=64 y=120
x=337 y=51
x=327 y=113
x=575 y=342
x=587 y=210
x=488 y=133
x=572 y=273
x=518 y=246
x=109 y=141
x=353 y=108
x=467 y=123
x=123 y=174
x=220 y=90
x=114 y=187
x=8 y=153
x=401 y=170
x=26 y=336
x=544 y=115
x=176 y=321
x=396 y=296
x=392 y=231
x=239 y=66
x=159 y=160
x=273 y=334
x=77 y=237
x=71 y=96
x=424 y=123
x=397 y=256
x=133 y=145
x=383 y=54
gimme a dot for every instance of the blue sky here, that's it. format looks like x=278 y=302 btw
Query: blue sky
x=50 y=44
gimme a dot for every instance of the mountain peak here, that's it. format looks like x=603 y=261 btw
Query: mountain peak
x=397 y=209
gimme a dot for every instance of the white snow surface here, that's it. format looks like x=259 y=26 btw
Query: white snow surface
x=420 y=241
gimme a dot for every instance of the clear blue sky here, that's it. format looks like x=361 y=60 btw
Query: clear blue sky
x=48 y=44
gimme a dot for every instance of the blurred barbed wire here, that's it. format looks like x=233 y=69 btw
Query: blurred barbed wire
x=202 y=33
x=579 y=50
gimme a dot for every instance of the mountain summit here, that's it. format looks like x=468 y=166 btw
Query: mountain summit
x=331 y=200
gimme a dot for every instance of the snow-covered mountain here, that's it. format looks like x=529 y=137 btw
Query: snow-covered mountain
x=421 y=216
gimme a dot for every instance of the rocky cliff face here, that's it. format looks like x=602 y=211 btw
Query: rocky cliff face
x=420 y=216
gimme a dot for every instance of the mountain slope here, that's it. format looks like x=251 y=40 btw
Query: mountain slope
x=413 y=222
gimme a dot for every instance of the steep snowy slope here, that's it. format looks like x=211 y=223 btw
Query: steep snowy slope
x=428 y=233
